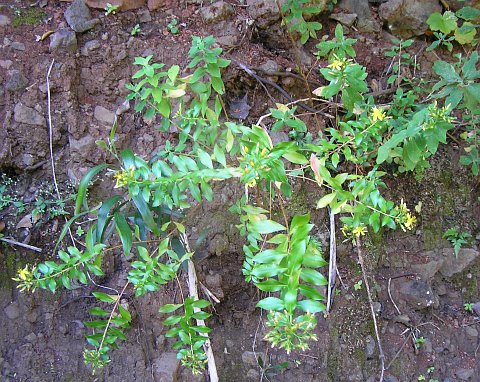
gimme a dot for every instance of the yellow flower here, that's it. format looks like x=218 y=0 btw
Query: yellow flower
x=359 y=231
x=377 y=114
x=411 y=221
x=336 y=64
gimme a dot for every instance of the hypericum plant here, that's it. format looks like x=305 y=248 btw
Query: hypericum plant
x=458 y=239
x=155 y=196
x=173 y=26
x=294 y=11
x=191 y=338
x=338 y=48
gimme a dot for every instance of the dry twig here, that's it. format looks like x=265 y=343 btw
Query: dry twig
x=370 y=300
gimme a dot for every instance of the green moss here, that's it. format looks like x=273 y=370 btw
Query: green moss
x=30 y=16
x=468 y=285
x=432 y=234
x=7 y=268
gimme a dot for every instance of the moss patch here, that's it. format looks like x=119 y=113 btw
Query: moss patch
x=27 y=16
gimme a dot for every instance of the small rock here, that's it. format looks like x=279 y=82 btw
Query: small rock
x=216 y=12
x=16 y=81
x=428 y=270
x=5 y=64
x=407 y=18
x=370 y=347
x=104 y=115
x=464 y=374
x=32 y=316
x=153 y=5
x=253 y=375
x=31 y=337
x=27 y=115
x=144 y=16
x=453 y=265
x=441 y=289
x=427 y=346
x=122 y=55
x=471 y=331
x=4 y=21
x=79 y=18
x=250 y=358
x=165 y=368
x=366 y=23
x=12 y=311
x=390 y=378
x=417 y=294
x=377 y=307
x=90 y=46
x=18 y=45
x=269 y=67
x=63 y=40
x=346 y=19
x=476 y=308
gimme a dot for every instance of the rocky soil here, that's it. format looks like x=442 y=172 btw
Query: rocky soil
x=419 y=286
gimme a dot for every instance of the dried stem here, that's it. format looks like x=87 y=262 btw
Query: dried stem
x=370 y=301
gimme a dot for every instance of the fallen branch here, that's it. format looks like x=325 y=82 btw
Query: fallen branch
x=14 y=242
x=193 y=292
x=370 y=301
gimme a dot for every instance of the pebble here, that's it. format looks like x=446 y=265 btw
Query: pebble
x=18 y=45
x=63 y=40
x=90 y=46
x=471 y=331
x=32 y=316
x=12 y=311
x=4 y=21
x=464 y=374
x=79 y=18
x=253 y=375
x=16 y=81
x=370 y=347
x=27 y=115
x=31 y=337
x=144 y=16
x=104 y=115
x=5 y=64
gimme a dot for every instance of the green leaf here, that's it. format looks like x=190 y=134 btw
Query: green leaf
x=124 y=231
x=313 y=277
x=468 y=13
x=147 y=216
x=219 y=155
x=269 y=256
x=271 y=303
x=105 y=297
x=169 y=308
x=295 y=157
x=173 y=72
x=311 y=306
x=205 y=158
x=265 y=227
x=200 y=304
x=445 y=23
x=83 y=186
x=96 y=311
x=326 y=200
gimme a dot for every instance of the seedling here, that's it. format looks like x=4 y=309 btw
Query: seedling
x=135 y=30
x=419 y=341
x=111 y=9
x=468 y=307
x=458 y=239
x=358 y=285
x=173 y=27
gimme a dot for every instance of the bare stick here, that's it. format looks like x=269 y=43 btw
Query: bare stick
x=14 y=242
x=332 y=266
x=391 y=298
x=370 y=300
x=193 y=292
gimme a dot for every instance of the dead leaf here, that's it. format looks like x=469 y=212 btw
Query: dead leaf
x=25 y=222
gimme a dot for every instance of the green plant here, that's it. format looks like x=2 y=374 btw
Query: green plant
x=173 y=26
x=340 y=47
x=135 y=30
x=468 y=307
x=419 y=341
x=111 y=9
x=472 y=138
x=151 y=211
x=358 y=285
x=294 y=11
x=448 y=30
x=191 y=337
x=458 y=239
x=27 y=16
x=400 y=57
